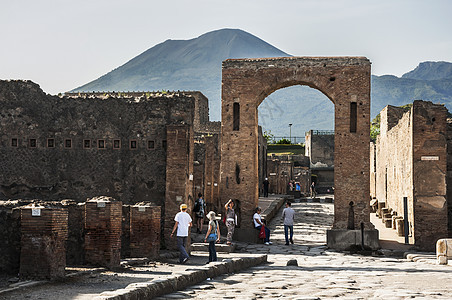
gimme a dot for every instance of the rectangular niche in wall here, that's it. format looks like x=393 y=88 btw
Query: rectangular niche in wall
x=151 y=144
x=32 y=143
x=86 y=144
x=50 y=143
x=101 y=144
x=67 y=143
x=14 y=142
x=116 y=144
x=133 y=144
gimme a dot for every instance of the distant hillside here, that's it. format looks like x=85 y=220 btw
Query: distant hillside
x=196 y=65
x=185 y=65
x=430 y=70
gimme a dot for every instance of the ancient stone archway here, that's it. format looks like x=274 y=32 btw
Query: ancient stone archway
x=346 y=82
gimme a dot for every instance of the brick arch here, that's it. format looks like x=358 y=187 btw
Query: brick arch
x=275 y=86
x=346 y=82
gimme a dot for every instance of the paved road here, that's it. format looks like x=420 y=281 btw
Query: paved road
x=322 y=273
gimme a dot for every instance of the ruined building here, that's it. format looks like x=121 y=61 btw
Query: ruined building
x=411 y=160
x=320 y=150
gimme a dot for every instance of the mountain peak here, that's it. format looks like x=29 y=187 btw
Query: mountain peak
x=431 y=70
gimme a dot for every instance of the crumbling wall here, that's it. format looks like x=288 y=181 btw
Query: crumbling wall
x=429 y=173
x=411 y=161
x=449 y=176
x=80 y=147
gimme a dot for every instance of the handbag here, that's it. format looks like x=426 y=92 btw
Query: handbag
x=262 y=234
x=212 y=237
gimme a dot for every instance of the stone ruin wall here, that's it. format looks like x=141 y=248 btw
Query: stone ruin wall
x=140 y=235
x=449 y=176
x=411 y=155
x=114 y=146
x=430 y=172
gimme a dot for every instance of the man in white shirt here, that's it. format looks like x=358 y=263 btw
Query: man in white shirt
x=183 y=224
x=288 y=216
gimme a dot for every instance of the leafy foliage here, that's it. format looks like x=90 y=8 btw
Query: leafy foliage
x=283 y=142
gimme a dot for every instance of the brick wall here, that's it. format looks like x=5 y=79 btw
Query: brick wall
x=43 y=242
x=103 y=219
x=212 y=173
x=145 y=231
x=179 y=172
x=449 y=176
x=346 y=80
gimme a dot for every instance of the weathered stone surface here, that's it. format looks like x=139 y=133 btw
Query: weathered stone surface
x=345 y=80
x=87 y=145
x=411 y=161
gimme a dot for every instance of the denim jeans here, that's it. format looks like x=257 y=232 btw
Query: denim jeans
x=286 y=232
x=181 y=242
x=212 y=252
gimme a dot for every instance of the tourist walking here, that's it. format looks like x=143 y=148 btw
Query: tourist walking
x=230 y=220
x=288 y=215
x=258 y=224
x=313 y=192
x=182 y=225
x=199 y=209
x=212 y=235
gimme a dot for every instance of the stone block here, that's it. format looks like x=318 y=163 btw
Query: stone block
x=443 y=251
x=343 y=239
x=399 y=227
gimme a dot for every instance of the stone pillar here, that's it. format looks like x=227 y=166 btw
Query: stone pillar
x=145 y=230
x=103 y=217
x=179 y=176
x=43 y=242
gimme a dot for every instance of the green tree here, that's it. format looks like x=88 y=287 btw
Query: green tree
x=283 y=142
x=269 y=136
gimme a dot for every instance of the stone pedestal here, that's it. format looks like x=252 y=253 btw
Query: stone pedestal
x=344 y=239
x=43 y=242
x=103 y=216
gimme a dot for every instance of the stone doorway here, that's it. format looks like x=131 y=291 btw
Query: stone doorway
x=346 y=82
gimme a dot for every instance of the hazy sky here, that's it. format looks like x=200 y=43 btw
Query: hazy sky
x=62 y=44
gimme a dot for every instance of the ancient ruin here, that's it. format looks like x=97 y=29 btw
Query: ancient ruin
x=410 y=172
x=346 y=82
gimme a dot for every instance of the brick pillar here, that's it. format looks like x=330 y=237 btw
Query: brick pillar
x=179 y=183
x=145 y=231
x=103 y=231
x=43 y=242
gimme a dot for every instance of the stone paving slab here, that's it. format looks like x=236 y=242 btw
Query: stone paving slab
x=324 y=273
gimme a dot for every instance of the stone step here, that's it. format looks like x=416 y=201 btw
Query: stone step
x=204 y=247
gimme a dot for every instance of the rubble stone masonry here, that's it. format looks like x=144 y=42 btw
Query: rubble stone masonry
x=86 y=145
x=411 y=161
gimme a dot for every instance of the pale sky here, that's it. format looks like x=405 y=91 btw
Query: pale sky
x=62 y=44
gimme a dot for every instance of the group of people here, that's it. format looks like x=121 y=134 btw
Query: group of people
x=183 y=222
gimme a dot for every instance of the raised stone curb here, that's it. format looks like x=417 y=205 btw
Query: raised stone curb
x=189 y=277
x=274 y=207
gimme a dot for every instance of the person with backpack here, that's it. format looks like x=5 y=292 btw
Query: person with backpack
x=199 y=209
x=212 y=236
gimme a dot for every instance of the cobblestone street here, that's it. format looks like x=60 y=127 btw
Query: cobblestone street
x=322 y=273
